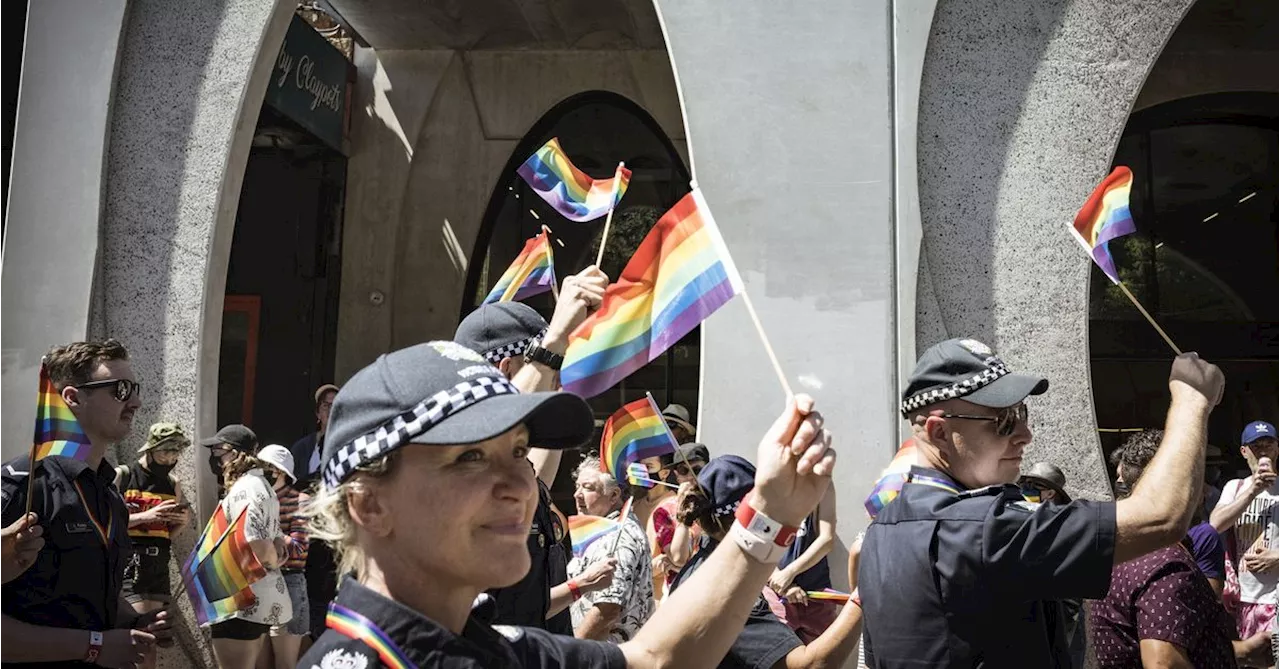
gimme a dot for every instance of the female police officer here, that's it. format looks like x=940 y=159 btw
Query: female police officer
x=425 y=529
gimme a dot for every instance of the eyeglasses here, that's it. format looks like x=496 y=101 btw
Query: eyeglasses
x=1006 y=421
x=683 y=469
x=123 y=389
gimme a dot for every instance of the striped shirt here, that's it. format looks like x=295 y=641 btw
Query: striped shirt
x=294 y=525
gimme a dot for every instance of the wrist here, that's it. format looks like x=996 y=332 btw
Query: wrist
x=95 y=647
x=575 y=590
x=555 y=342
x=1189 y=398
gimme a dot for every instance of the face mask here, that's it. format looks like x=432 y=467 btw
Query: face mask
x=215 y=465
x=159 y=469
x=271 y=478
x=671 y=478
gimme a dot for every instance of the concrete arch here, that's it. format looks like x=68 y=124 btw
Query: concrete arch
x=1021 y=108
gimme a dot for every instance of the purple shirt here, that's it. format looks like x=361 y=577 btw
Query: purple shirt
x=1209 y=550
x=1161 y=595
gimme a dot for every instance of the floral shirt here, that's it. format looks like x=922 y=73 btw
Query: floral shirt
x=632 y=587
x=262 y=522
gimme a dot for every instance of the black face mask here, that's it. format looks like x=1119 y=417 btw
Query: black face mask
x=215 y=465
x=159 y=469
x=671 y=478
x=271 y=478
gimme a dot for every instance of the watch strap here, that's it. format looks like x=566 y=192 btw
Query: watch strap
x=535 y=353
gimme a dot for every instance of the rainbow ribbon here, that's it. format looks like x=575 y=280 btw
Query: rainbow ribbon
x=352 y=625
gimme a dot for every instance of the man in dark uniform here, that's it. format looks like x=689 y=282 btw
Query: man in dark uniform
x=528 y=350
x=66 y=608
x=960 y=570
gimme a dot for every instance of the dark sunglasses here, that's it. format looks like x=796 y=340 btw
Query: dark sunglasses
x=683 y=469
x=123 y=389
x=1006 y=421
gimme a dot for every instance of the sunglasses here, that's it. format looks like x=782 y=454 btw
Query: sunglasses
x=683 y=469
x=1006 y=421
x=122 y=389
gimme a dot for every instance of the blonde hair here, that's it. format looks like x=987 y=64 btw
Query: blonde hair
x=329 y=518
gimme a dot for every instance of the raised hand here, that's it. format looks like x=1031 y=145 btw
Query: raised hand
x=1191 y=374
x=794 y=464
x=580 y=296
x=20 y=544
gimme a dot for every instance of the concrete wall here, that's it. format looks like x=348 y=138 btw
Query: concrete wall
x=55 y=197
x=1021 y=106
x=431 y=132
x=192 y=80
x=789 y=133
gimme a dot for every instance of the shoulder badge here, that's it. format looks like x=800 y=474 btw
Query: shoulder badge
x=341 y=659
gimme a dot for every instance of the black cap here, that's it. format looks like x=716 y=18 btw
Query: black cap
x=236 y=436
x=500 y=330
x=966 y=369
x=726 y=480
x=694 y=451
x=440 y=393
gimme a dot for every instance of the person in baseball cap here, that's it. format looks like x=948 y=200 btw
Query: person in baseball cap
x=428 y=497
x=960 y=526
x=228 y=442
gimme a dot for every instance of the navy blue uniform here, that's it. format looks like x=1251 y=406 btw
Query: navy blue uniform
x=956 y=578
x=525 y=604
x=424 y=643
x=76 y=580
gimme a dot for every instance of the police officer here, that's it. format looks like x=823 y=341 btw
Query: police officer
x=961 y=571
x=66 y=608
x=527 y=350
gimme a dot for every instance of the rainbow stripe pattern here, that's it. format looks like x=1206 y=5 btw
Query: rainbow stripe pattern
x=1105 y=216
x=633 y=433
x=638 y=474
x=585 y=530
x=355 y=626
x=889 y=485
x=207 y=610
x=680 y=275
x=57 y=430
x=529 y=274
x=231 y=566
x=567 y=189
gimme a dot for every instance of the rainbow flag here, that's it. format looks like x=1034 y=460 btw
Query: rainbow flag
x=633 y=433
x=57 y=430
x=530 y=273
x=575 y=195
x=680 y=275
x=217 y=610
x=891 y=479
x=231 y=566
x=638 y=474
x=1104 y=217
x=585 y=530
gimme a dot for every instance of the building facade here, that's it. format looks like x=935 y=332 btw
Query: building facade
x=886 y=174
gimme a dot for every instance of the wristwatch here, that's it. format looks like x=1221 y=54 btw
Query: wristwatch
x=535 y=353
x=95 y=647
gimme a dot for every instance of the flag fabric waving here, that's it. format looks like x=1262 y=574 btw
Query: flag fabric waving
x=57 y=430
x=201 y=579
x=1104 y=217
x=633 y=433
x=584 y=530
x=231 y=566
x=680 y=274
x=567 y=189
x=638 y=475
x=529 y=274
x=889 y=485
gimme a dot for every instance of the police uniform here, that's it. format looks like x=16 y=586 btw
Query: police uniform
x=368 y=630
x=76 y=580
x=525 y=604
x=970 y=578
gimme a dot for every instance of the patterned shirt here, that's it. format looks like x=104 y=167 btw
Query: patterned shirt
x=1257 y=525
x=632 y=587
x=262 y=523
x=1163 y=596
x=294 y=525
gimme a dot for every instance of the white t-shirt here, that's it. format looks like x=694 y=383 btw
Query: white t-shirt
x=262 y=522
x=1258 y=523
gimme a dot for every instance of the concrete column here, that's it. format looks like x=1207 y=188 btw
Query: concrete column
x=788 y=124
x=55 y=194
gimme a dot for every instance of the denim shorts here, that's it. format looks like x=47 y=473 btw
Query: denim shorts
x=300 y=623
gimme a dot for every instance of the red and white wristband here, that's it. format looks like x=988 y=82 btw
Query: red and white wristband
x=763 y=538
x=95 y=647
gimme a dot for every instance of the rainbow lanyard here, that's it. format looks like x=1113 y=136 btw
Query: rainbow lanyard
x=104 y=534
x=924 y=479
x=353 y=625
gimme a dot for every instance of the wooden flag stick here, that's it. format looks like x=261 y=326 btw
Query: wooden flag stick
x=555 y=290
x=1150 y=320
x=604 y=237
x=773 y=357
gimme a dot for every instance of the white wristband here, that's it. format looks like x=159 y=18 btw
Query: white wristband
x=761 y=549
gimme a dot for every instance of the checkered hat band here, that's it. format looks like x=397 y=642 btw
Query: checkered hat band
x=727 y=509
x=399 y=430
x=960 y=389
x=513 y=349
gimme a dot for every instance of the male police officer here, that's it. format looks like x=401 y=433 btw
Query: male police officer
x=959 y=570
x=528 y=350
x=66 y=608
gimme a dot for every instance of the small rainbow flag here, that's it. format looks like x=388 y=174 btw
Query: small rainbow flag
x=891 y=479
x=638 y=474
x=680 y=275
x=57 y=430
x=231 y=566
x=633 y=433
x=1104 y=217
x=575 y=195
x=530 y=273
x=207 y=611
x=585 y=530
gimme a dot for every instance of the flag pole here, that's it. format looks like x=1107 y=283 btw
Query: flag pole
x=555 y=290
x=617 y=172
x=1150 y=320
x=773 y=357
